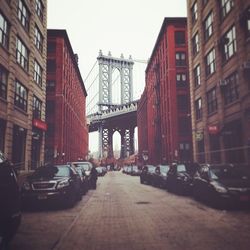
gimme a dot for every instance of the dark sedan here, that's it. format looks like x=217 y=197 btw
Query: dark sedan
x=146 y=173
x=59 y=183
x=10 y=208
x=159 y=177
x=179 y=178
x=222 y=185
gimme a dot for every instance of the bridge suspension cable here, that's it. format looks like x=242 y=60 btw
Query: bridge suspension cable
x=90 y=71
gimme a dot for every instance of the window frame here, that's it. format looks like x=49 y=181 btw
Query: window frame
x=21 y=96
x=197 y=76
x=182 y=82
x=23 y=15
x=212 y=103
x=208 y=26
x=4 y=32
x=3 y=82
x=38 y=73
x=224 y=5
x=231 y=89
x=195 y=44
x=37 y=108
x=179 y=39
x=181 y=62
x=210 y=62
x=38 y=39
x=228 y=42
x=198 y=108
x=39 y=8
x=194 y=12
x=22 y=54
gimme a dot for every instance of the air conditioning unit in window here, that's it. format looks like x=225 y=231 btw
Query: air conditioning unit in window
x=246 y=65
x=222 y=83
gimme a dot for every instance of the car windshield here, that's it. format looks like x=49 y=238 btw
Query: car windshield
x=85 y=166
x=52 y=171
x=181 y=168
x=164 y=168
x=229 y=173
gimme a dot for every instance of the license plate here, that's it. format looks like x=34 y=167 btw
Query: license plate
x=42 y=197
x=244 y=198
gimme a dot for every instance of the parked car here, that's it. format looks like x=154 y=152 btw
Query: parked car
x=58 y=183
x=179 y=178
x=146 y=173
x=135 y=171
x=159 y=177
x=100 y=171
x=222 y=185
x=10 y=208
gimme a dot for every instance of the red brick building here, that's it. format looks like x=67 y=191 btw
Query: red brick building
x=219 y=53
x=67 y=135
x=167 y=93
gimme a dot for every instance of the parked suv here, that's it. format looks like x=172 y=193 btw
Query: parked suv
x=10 y=208
x=60 y=183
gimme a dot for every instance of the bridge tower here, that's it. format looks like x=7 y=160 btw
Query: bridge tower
x=107 y=64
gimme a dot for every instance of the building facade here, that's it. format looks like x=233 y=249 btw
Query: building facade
x=219 y=67
x=167 y=89
x=67 y=135
x=23 y=41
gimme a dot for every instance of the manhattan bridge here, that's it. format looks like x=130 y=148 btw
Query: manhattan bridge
x=110 y=105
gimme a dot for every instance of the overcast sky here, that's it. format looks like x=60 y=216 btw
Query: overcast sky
x=130 y=27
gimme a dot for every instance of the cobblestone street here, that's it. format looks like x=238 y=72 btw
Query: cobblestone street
x=124 y=214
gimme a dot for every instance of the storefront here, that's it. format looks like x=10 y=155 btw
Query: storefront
x=233 y=142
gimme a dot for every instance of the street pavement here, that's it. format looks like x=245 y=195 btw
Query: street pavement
x=122 y=214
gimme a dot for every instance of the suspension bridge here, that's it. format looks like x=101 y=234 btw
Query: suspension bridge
x=111 y=105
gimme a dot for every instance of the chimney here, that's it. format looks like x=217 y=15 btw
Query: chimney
x=76 y=58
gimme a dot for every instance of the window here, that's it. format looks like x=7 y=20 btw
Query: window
x=230 y=90
x=4 y=32
x=195 y=44
x=38 y=73
x=198 y=109
x=194 y=12
x=211 y=101
x=3 y=82
x=180 y=59
x=21 y=96
x=208 y=26
x=210 y=62
x=184 y=126
x=228 y=44
x=181 y=79
x=248 y=27
x=51 y=48
x=37 y=108
x=185 y=151
x=39 y=9
x=179 y=37
x=38 y=39
x=51 y=65
x=51 y=85
x=22 y=54
x=226 y=6
x=197 y=76
x=183 y=103
x=23 y=14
